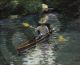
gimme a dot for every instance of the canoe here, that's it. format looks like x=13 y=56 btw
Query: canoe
x=30 y=43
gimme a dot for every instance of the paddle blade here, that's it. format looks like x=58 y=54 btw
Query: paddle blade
x=61 y=38
x=26 y=25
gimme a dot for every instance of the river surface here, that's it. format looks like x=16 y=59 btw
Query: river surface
x=62 y=49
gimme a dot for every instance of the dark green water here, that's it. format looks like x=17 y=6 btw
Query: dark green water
x=55 y=53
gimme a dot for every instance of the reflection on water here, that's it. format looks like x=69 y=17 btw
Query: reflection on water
x=42 y=54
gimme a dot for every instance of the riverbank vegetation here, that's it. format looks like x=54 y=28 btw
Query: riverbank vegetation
x=69 y=8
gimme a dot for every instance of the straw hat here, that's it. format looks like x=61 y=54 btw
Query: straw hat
x=44 y=7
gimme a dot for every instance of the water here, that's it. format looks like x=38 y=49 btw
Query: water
x=42 y=54
x=64 y=52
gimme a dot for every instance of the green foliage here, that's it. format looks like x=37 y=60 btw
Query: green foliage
x=31 y=6
x=19 y=7
x=53 y=3
x=69 y=8
x=5 y=6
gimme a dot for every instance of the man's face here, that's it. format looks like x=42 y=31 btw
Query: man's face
x=45 y=9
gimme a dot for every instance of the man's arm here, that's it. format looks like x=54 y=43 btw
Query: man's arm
x=47 y=30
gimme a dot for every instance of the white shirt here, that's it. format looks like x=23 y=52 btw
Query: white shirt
x=43 y=29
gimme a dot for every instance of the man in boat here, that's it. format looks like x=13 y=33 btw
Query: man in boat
x=44 y=27
x=42 y=30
